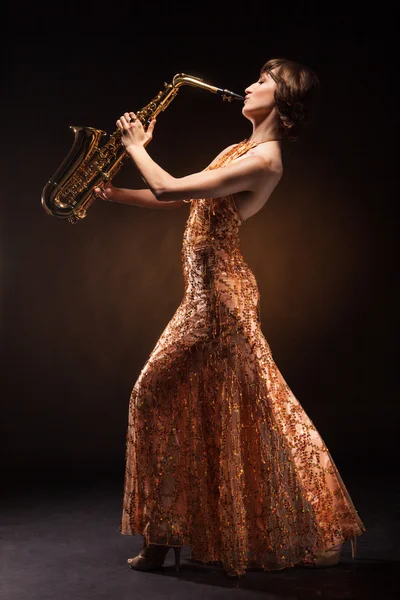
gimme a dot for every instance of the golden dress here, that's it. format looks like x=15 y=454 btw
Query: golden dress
x=220 y=455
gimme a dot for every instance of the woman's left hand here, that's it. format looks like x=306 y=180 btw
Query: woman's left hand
x=132 y=131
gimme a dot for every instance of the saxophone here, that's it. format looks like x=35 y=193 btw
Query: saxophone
x=70 y=192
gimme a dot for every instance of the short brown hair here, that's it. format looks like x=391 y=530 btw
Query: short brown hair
x=295 y=95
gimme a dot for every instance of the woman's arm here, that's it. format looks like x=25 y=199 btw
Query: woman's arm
x=144 y=198
x=245 y=175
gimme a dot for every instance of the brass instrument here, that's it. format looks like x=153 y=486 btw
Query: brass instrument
x=70 y=192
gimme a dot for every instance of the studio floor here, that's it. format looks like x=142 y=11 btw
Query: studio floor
x=60 y=540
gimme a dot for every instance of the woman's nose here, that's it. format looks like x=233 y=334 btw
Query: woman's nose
x=249 y=88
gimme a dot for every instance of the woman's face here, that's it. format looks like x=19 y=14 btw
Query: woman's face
x=260 y=97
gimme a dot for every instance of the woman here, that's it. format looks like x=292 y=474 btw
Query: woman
x=220 y=455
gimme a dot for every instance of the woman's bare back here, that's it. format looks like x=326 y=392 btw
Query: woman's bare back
x=250 y=202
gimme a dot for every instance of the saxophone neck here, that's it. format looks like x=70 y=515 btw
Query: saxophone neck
x=183 y=79
x=160 y=102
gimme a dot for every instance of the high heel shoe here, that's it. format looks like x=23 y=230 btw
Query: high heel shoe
x=327 y=558
x=353 y=542
x=153 y=557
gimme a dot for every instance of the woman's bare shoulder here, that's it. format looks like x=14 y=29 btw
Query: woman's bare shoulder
x=271 y=157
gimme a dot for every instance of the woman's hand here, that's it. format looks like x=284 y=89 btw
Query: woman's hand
x=107 y=192
x=132 y=131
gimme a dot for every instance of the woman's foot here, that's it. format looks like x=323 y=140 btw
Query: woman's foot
x=153 y=557
x=327 y=558
x=231 y=575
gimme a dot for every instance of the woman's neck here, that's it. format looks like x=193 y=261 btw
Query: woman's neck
x=265 y=131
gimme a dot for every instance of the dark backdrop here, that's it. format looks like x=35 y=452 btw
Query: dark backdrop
x=83 y=305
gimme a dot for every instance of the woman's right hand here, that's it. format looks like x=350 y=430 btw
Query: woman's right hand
x=106 y=192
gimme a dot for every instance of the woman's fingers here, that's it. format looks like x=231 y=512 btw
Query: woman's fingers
x=151 y=127
x=101 y=192
x=127 y=120
x=122 y=122
x=132 y=129
x=149 y=132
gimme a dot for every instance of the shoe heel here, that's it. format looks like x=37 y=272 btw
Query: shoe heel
x=177 y=550
x=353 y=542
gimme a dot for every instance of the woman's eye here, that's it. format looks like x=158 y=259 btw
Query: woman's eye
x=260 y=81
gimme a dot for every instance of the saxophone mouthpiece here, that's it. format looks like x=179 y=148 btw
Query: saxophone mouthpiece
x=228 y=95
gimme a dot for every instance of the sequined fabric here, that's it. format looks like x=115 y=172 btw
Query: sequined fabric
x=220 y=455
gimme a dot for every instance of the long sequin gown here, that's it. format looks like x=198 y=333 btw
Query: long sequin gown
x=220 y=455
